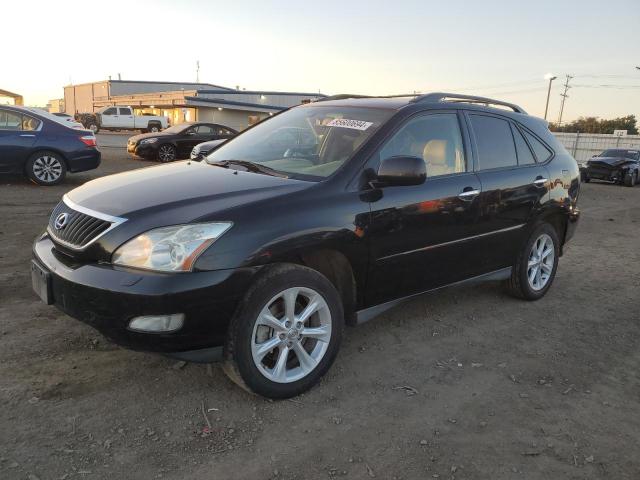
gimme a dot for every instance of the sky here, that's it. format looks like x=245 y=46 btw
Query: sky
x=501 y=49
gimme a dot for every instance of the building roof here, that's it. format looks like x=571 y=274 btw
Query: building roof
x=218 y=87
x=221 y=101
x=264 y=92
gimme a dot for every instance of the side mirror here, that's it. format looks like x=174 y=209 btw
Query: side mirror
x=401 y=171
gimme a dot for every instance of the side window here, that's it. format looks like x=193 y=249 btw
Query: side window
x=434 y=138
x=204 y=130
x=494 y=140
x=125 y=111
x=30 y=123
x=10 y=120
x=542 y=152
x=525 y=157
x=111 y=111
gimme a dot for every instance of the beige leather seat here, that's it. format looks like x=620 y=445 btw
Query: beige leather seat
x=435 y=156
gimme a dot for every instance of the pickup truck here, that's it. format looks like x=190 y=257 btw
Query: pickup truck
x=122 y=118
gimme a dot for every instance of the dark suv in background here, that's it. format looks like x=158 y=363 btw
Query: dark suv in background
x=326 y=214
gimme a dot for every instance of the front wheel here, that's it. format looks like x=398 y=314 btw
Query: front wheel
x=167 y=153
x=536 y=265
x=286 y=334
x=631 y=178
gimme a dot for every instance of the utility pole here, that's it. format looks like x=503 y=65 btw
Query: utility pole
x=197 y=71
x=564 y=97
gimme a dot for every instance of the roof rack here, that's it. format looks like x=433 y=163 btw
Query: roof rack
x=456 y=97
x=342 y=96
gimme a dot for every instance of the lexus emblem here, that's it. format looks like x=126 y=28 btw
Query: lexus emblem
x=61 y=221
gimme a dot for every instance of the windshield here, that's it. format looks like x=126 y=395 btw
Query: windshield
x=633 y=154
x=308 y=143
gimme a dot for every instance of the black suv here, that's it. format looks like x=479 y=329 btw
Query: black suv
x=326 y=214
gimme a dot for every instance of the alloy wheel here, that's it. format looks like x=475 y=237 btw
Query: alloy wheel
x=166 y=153
x=291 y=335
x=47 y=169
x=541 y=261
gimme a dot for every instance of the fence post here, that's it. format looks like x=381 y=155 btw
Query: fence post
x=575 y=145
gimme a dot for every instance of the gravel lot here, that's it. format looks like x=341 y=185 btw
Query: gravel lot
x=467 y=384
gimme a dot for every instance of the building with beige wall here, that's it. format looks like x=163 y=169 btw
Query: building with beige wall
x=184 y=102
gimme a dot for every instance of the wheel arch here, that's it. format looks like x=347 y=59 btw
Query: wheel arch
x=37 y=150
x=559 y=220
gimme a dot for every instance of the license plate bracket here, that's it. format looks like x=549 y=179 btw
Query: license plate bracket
x=41 y=283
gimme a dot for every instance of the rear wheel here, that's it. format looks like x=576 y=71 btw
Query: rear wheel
x=46 y=168
x=536 y=265
x=631 y=178
x=94 y=127
x=286 y=334
x=153 y=128
x=166 y=153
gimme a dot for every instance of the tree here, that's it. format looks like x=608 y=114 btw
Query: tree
x=594 y=125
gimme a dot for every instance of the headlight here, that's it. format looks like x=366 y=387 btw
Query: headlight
x=169 y=249
x=148 y=140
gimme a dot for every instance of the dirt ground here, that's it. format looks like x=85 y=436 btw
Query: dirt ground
x=468 y=383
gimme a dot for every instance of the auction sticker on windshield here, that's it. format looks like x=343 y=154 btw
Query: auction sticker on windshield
x=345 y=123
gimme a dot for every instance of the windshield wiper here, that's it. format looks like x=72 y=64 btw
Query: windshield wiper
x=251 y=167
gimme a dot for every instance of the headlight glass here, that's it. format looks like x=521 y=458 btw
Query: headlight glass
x=148 y=140
x=169 y=249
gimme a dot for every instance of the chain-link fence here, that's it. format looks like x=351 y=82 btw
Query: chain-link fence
x=583 y=146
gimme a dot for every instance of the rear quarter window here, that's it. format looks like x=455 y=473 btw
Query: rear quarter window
x=541 y=152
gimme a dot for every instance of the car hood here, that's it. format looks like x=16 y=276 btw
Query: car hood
x=179 y=192
x=611 y=161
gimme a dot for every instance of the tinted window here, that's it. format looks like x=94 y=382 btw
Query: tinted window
x=10 y=120
x=110 y=111
x=525 y=157
x=434 y=138
x=204 y=129
x=542 y=153
x=30 y=123
x=494 y=141
x=125 y=111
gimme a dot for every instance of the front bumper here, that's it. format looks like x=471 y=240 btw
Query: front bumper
x=145 y=150
x=108 y=297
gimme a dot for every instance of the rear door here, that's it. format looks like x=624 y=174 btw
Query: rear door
x=424 y=236
x=18 y=133
x=514 y=185
x=126 y=119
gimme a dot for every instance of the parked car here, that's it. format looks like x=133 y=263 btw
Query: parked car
x=260 y=254
x=618 y=165
x=122 y=118
x=43 y=146
x=201 y=150
x=176 y=142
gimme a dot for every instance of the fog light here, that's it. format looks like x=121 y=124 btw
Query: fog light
x=157 y=323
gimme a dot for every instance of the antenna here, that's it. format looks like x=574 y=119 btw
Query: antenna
x=197 y=71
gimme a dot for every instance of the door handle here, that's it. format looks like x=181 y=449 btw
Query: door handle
x=468 y=193
x=540 y=181
x=27 y=135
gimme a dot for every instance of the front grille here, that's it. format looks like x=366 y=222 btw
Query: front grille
x=78 y=230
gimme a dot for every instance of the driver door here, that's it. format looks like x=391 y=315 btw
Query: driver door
x=422 y=237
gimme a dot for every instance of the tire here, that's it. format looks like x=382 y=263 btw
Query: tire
x=630 y=179
x=46 y=168
x=521 y=284
x=277 y=372
x=94 y=127
x=153 y=128
x=167 y=153
x=584 y=177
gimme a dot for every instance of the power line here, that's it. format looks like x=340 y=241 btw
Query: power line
x=564 y=98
